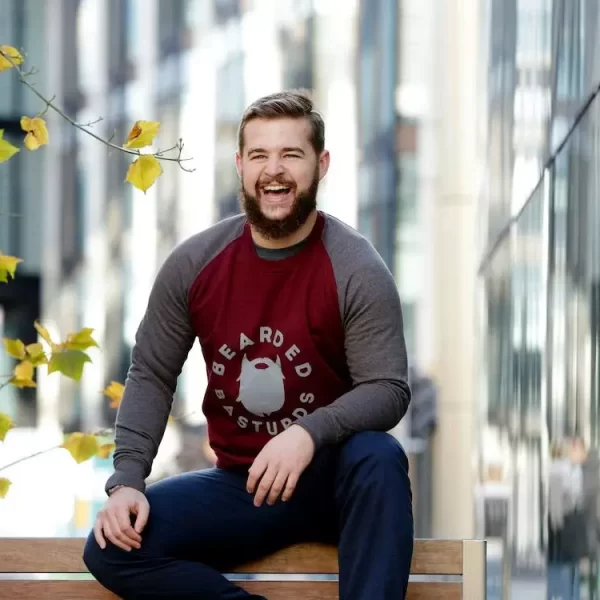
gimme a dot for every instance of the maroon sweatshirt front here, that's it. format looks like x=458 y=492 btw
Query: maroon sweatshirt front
x=315 y=338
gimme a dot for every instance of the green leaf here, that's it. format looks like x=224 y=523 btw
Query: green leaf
x=68 y=362
x=7 y=150
x=81 y=446
x=23 y=375
x=8 y=266
x=15 y=348
x=36 y=354
x=4 y=485
x=82 y=340
x=5 y=425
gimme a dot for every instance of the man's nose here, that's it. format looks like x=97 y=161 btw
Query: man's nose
x=274 y=166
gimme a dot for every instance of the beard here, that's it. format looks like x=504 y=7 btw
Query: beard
x=305 y=203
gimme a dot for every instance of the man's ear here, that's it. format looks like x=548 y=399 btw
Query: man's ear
x=324 y=161
x=238 y=164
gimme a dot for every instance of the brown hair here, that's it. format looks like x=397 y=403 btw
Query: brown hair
x=295 y=104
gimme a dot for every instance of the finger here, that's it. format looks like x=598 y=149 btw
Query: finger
x=256 y=471
x=290 y=486
x=111 y=534
x=265 y=484
x=277 y=486
x=143 y=512
x=98 y=533
x=128 y=533
x=115 y=528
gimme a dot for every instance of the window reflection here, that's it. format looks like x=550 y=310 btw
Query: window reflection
x=541 y=285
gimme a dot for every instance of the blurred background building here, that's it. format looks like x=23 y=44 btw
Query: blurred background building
x=464 y=140
x=539 y=266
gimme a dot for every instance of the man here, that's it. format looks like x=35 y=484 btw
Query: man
x=300 y=325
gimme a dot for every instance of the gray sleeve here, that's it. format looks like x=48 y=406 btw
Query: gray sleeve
x=162 y=344
x=374 y=345
x=163 y=341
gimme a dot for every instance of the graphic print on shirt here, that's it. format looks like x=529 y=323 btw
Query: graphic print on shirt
x=263 y=388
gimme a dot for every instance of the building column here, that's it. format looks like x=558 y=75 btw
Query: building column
x=454 y=265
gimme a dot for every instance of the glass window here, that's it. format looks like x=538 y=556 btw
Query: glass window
x=170 y=19
x=296 y=41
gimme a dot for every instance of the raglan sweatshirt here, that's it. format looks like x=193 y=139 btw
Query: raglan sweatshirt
x=314 y=339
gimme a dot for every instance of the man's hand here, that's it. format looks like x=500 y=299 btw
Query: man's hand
x=279 y=465
x=114 y=520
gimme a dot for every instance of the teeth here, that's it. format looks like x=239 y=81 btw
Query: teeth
x=275 y=188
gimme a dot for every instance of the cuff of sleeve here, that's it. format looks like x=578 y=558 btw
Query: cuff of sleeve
x=127 y=475
x=319 y=427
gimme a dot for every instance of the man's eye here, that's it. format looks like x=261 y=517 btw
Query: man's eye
x=254 y=156
x=292 y=156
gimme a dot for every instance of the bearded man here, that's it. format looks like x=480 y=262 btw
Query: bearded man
x=300 y=325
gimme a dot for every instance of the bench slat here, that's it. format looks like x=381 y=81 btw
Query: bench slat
x=290 y=590
x=63 y=555
x=431 y=557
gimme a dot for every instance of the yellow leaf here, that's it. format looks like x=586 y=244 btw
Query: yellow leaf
x=43 y=333
x=23 y=375
x=36 y=354
x=81 y=446
x=5 y=425
x=143 y=172
x=15 y=348
x=114 y=391
x=142 y=134
x=13 y=54
x=68 y=362
x=37 y=132
x=7 y=150
x=8 y=266
x=82 y=340
x=105 y=450
x=4 y=485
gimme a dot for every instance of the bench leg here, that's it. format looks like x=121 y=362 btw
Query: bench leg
x=474 y=570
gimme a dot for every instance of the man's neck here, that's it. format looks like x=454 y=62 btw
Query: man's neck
x=296 y=237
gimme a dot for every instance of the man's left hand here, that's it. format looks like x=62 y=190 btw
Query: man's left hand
x=279 y=465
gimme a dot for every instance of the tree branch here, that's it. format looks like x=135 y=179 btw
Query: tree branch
x=22 y=75
x=24 y=458
x=98 y=433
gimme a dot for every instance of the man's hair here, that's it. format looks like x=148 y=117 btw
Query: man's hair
x=295 y=104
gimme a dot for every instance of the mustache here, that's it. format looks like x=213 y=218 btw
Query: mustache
x=277 y=181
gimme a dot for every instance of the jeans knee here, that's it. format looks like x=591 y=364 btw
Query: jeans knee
x=95 y=558
x=92 y=555
x=102 y=564
x=375 y=449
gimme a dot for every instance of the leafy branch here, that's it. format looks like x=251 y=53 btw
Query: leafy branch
x=142 y=173
x=69 y=357
x=81 y=446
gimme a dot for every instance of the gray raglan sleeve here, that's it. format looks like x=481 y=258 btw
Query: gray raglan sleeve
x=163 y=341
x=375 y=350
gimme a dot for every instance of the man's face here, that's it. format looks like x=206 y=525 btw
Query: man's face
x=280 y=174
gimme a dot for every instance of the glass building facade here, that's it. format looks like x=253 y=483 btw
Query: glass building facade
x=22 y=25
x=194 y=65
x=539 y=302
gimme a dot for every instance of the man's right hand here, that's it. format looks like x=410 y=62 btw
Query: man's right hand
x=114 y=520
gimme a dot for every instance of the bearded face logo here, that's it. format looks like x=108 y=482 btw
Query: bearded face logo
x=261 y=386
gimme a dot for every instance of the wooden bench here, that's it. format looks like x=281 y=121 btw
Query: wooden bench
x=22 y=557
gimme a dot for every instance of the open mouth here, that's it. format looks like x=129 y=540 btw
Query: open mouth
x=275 y=191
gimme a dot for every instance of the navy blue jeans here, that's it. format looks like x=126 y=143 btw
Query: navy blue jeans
x=355 y=494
